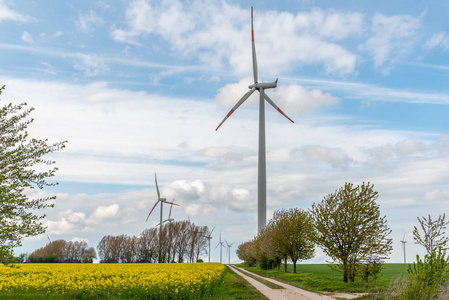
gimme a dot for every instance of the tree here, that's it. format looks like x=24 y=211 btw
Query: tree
x=293 y=234
x=21 y=170
x=349 y=228
x=433 y=233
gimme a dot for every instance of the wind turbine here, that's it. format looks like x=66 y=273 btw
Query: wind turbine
x=169 y=214
x=220 y=243
x=262 y=173
x=229 y=251
x=403 y=246
x=162 y=201
x=209 y=237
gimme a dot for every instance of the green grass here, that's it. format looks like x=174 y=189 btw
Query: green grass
x=320 y=278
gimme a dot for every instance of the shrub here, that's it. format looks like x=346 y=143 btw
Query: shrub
x=424 y=277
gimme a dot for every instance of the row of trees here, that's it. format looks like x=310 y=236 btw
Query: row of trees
x=180 y=241
x=347 y=225
x=61 y=251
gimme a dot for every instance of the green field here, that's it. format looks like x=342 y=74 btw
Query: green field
x=320 y=278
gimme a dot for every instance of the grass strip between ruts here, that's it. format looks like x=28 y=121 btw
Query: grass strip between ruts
x=270 y=284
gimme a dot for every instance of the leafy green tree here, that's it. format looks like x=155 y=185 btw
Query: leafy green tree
x=433 y=236
x=21 y=170
x=292 y=234
x=350 y=229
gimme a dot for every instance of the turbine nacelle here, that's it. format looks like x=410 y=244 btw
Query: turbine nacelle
x=264 y=85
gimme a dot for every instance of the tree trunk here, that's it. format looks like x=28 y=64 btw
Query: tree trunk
x=345 y=271
x=294 y=265
x=285 y=265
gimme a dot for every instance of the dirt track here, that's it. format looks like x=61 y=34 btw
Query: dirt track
x=288 y=292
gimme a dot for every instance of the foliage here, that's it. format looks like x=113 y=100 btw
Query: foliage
x=60 y=251
x=292 y=234
x=180 y=241
x=424 y=277
x=349 y=228
x=433 y=234
x=246 y=252
x=369 y=272
x=21 y=169
x=138 y=281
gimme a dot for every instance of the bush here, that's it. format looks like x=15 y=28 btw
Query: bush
x=424 y=279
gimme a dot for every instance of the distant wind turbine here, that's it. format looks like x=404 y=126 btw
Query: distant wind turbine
x=209 y=237
x=229 y=251
x=169 y=214
x=262 y=174
x=220 y=243
x=162 y=201
x=403 y=241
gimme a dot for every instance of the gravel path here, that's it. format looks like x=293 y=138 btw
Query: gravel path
x=289 y=292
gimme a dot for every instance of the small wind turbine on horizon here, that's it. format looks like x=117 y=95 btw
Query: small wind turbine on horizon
x=229 y=251
x=403 y=241
x=262 y=175
x=220 y=243
x=209 y=237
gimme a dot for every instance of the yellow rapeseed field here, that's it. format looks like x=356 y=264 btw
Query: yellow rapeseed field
x=166 y=281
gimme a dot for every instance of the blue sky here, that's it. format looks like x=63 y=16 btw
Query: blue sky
x=138 y=87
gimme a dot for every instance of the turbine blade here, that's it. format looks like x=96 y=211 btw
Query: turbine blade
x=169 y=214
x=211 y=231
x=236 y=106
x=152 y=210
x=171 y=203
x=157 y=188
x=276 y=107
x=254 y=48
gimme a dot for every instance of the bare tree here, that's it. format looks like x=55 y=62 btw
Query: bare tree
x=433 y=233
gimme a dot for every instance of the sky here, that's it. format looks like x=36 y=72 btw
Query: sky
x=138 y=87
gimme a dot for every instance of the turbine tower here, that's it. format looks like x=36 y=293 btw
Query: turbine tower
x=209 y=237
x=229 y=251
x=220 y=243
x=403 y=246
x=262 y=174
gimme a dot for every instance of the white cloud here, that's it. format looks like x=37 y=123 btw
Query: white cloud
x=26 y=37
x=86 y=21
x=90 y=65
x=106 y=212
x=438 y=40
x=336 y=157
x=391 y=37
x=292 y=99
x=217 y=34
x=7 y=14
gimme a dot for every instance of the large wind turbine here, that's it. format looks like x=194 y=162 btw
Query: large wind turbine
x=262 y=173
